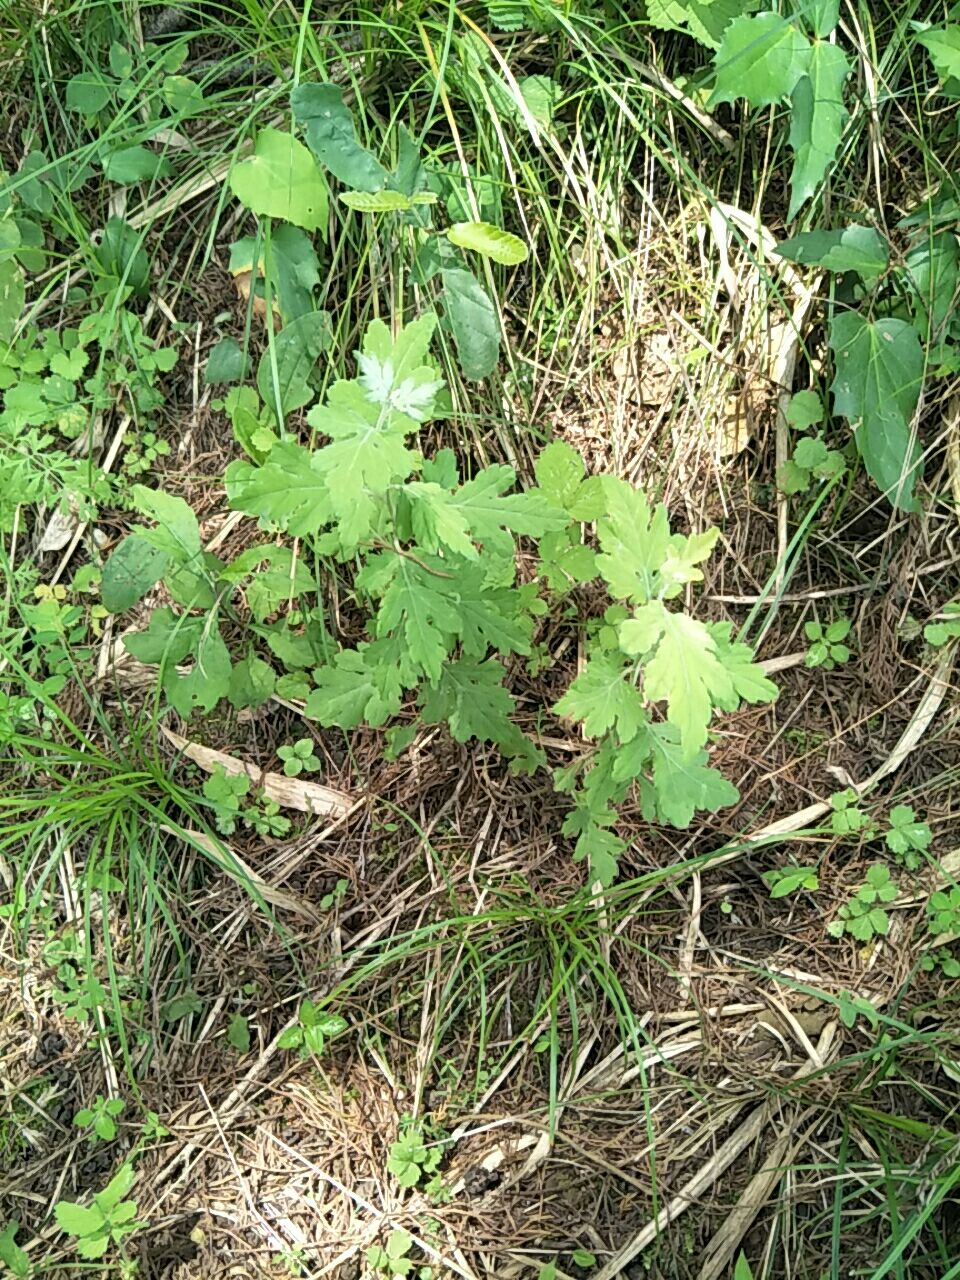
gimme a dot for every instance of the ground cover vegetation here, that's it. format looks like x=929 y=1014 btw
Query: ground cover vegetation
x=478 y=515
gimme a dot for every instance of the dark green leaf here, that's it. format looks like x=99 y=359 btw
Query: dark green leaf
x=332 y=136
x=121 y=255
x=135 y=164
x=226 y=363
x=132 y=569
x=473 y=319
x=285 y=367
x=88 y=92
x=816 y=120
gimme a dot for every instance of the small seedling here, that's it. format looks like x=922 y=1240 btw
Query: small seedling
x=907 y=838
x=410 y=1157
x=850 y=1008
x=811 y=460
x=583 y=1259
x=108 y=1220
x=863 y=917
x=784 y=881
x=314 y=1028
x=299 y=758
x=943 y=911
x=100 y=1118
x=335 y=896
x=395 y=1258
x=238 y=1033
x=826 y=647
x=947 y=628
x=742 y=1269
x=943 y=960
x=11 y=1255
x=847 y=818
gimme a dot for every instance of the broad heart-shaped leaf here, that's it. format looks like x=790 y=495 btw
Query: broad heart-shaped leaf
x=855 y=248
x=943 y=46
x=604 y=697
x=761 y=59
x=288 y=492
x=332 y=136
x=683 y=784
x=281 y=180
x=473 y=319
x=285 y=367
x=132 y=569
x=356 y=688
x=206 y=682
x=76 y=1219
x=933 y=271
x=490 y=241
x=471 y=698
x=879 y=372
x=705 y=20
x=817 y=118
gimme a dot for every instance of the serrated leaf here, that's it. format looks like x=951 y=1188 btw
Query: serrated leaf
x=855 y=248
x=805 y=410
x=377 y=201
x=879 y=373
x=131 y=570
x=685 y=671
x=604 y=697
x=332 y=136
x=289 y=491
x=488 y=509
x=684 y=784
x=749 y=680
x=705 y=20
x=943 y=46
x=352 y=691
x=560 y=471
x=817 y=118
x=437 y=522
x=285 y=368
x=633 y=540
x=491 y=242
x=281 y=180
x=472 y=699
x=473 y=320
x=810 y=452
x=761 y=59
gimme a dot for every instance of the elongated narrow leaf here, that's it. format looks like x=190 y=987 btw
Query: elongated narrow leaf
x=879 y=370
x=473 y=319
x=377 y=201
x=332 y=136
x=492 y=242
x=817 y=120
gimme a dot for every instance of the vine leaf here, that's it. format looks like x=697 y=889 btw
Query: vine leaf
x=760 y=59
x=879 y=372
x=817 y=119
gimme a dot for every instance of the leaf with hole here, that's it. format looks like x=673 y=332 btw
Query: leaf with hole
x=281 y=180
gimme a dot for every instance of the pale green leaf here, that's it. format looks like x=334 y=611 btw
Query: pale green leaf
x=559 y=470
x=490 y=241
x=817 y=118
x=238 y=1033
x=377 y=201
x=287 y=492
x=604 y=697
x=943 y=46
x=281 y=180
x=760 y=59
x=76 y=1219
x=822 y=16
x=705 y=20
x=879 y=371
x=687 y=673
x=120 y=1185
x=634 y=541
x=805 y=410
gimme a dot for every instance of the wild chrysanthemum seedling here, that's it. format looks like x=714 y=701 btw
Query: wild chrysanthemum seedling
x=411 y=1157
x=826 y=648
x=315 y=1027
x=784 y=881
x=100 y=1118
x=863 y=917
x=908 y=840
